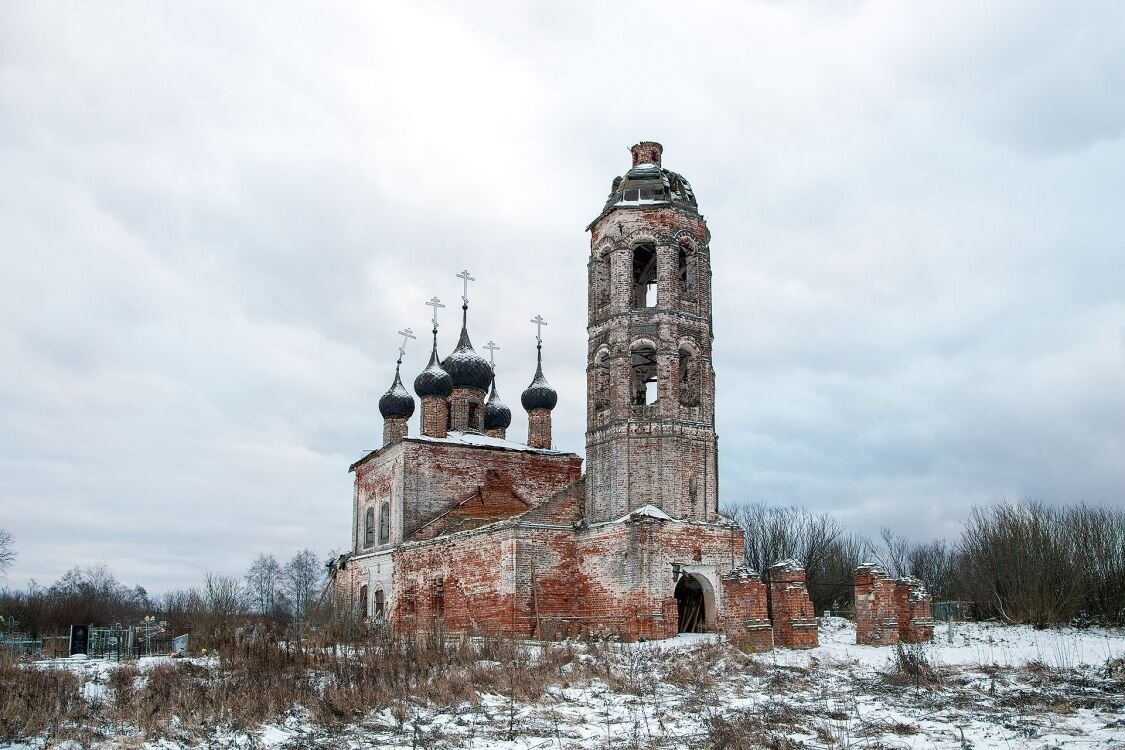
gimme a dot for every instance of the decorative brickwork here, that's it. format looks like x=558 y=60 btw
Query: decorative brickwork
x=794 y=622
x=539 y=428
x=435 y=416
x=889 y=611
x=394 y=428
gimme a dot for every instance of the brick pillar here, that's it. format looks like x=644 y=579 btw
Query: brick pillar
x=539 y=428
x=435 y=416
x=794 y=622
x=876 y=611
x=647 y=152
x=466 y=410
x=497 y=432
x=394 y=428
x=914 y=611
x=745 y=619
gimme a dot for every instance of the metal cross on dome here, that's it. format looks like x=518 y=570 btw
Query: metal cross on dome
x=539 y=323
x=435 y=303
x=406 y=334
x=492 y=349
x=464 y=276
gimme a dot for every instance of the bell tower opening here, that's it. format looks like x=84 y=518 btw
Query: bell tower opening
x=645 y=283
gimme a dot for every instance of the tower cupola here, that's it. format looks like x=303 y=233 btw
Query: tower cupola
x=497 y=415
x=539 y=398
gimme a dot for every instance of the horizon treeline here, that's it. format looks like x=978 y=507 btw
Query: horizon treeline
x=1027 y=562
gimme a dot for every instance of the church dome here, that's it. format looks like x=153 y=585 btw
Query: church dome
x=647 y=183
x=497 y=415
x=396 y=402
x=433 y=381
x=540 y=394
x=466 y=368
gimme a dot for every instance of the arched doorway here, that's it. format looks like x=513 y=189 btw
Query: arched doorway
x=690 y=605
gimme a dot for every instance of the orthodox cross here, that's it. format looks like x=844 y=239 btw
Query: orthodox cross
x=492 y=349
x=539 y=323
x=435 y=303
x=406 y=335
x=464 y=276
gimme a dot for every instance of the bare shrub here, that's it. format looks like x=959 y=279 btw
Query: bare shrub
x=1041 y=564
x=910 y=665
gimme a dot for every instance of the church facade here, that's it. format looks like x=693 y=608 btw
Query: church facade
x=462 y=526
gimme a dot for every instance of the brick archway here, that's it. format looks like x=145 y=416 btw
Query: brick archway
x=695 y=604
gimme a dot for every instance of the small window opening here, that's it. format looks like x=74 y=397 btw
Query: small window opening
x=686 y=270
x=689 y=378
x=369 y=527
x=644 y=376
x=439 y=596
x=385 y=523
x=601 y=280
x=408 y=601
x=631 y=196
x=379 y=600
x=474 y=416
x=645 y=287
x=601 y=381
x=363 y=602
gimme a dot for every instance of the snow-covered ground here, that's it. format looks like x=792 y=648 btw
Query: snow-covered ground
x=993 y=687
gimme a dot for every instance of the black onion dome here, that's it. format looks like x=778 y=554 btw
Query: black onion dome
x=433 y=381
x=497 y=415
x=466 y=368
x=540 y=394
x=396 y=402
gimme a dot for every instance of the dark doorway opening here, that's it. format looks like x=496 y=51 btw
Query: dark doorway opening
x=689 y=603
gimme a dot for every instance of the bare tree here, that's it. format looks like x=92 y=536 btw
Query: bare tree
x=818 y=541
x=303 y=575
x=263 y=583
x=7 y=550
x=224 y=597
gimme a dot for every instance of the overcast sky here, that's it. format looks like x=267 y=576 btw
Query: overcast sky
x=214 y=218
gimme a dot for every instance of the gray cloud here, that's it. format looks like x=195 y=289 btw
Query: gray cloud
x=213 y=221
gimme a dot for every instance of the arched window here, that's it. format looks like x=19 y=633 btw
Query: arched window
x=369 y=527
x=689 y=378
x=685 y=266
x=601 y=279
x=379 y=599
x=362 y=601
x=385 y=523
x=476 y=419
x=645 y=385
x=645 y=288
x=601 y=380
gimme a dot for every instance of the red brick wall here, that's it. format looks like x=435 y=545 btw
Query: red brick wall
x=914 y=609
x=794 y=622
x=890 y=611
x=745 y=614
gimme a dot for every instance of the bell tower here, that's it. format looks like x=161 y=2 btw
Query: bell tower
x=650 y=408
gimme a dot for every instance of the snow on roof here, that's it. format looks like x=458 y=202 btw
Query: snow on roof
x=482 y=441
x=651 y=511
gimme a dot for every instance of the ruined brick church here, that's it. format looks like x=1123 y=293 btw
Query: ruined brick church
x=463 y=525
